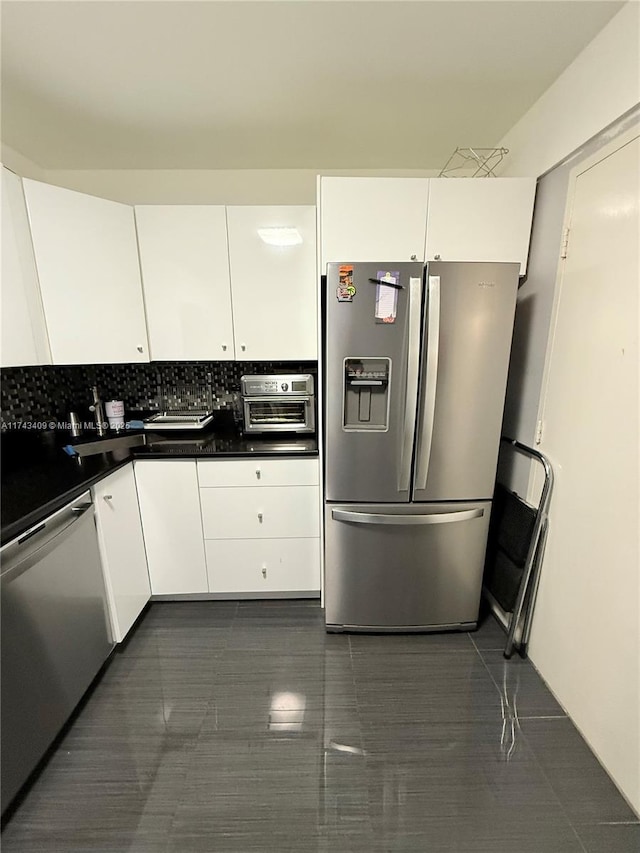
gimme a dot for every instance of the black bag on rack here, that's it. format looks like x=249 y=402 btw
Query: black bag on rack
x=510 y=533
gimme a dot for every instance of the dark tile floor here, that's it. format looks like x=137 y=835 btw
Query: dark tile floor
x=225 y=726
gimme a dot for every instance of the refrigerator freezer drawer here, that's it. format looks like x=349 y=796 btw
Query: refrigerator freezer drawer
x=399 y=567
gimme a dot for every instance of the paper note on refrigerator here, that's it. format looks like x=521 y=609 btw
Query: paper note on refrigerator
x=387 y=297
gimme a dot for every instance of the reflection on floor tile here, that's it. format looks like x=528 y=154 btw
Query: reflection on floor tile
x=243 y=726
x=520 y=686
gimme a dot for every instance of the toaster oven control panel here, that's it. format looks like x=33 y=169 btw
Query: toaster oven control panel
x=257 y=386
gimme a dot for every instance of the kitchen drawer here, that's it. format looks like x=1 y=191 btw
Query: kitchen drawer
x=258 y=472
x=270 y=512
x=263 y=565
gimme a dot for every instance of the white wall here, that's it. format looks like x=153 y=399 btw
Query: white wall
x=599 y=86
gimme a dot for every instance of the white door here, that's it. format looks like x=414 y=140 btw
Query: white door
x=273 y=282
x=170 y=511
x=480 y=219
x=585 y=636
x=24 y=337
x=124 y=560
x=372 y=219
x=87 y=259
x=184 y=259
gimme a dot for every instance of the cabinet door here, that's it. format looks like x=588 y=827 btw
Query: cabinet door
x=263 y=565
x=124 y=560
x=87 y=260
x=170 y=511
x=24 y=333
x=480 y=219
x=185 y=277
x=273 y=286
x=372 y=219
x=260 y=513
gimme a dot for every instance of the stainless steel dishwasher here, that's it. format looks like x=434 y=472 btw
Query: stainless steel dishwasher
x=55 y=634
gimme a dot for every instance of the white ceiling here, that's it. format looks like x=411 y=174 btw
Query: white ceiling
x=272 y=84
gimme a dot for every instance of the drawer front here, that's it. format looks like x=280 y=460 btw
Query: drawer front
x=270 y=512
x=263 y=565
x=258 y=472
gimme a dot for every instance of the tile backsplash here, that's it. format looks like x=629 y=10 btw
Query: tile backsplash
x=50 y=392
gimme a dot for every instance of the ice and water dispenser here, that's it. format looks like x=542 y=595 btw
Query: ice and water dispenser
x=366 y=393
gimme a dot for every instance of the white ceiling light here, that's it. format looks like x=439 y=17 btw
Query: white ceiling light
x=280 y=236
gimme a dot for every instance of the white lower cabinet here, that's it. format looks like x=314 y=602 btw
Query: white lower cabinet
x=235 y=538
x=262 y=538
x=122 y=549
x=263 y=565
x=170 y=511
x=260 y=512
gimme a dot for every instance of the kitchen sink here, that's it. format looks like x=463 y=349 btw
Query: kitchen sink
x=109 y=444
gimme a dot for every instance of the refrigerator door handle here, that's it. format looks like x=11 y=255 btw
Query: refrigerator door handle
x=381 y=518
x=413 y=378
x=425 y=436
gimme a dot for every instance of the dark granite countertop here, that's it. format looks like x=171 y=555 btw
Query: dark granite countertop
x=38 y=477
x=225 y=445
x=48 y=482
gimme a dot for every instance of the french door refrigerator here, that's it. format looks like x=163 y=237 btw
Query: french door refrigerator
x=416 y=363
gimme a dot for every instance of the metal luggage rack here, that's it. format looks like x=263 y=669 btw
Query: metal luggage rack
x=517 y=621
x=473 y=162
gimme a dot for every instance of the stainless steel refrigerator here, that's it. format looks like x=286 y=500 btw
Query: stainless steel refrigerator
x=416 y=363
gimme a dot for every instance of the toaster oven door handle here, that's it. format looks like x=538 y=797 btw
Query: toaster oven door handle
x=269 y=398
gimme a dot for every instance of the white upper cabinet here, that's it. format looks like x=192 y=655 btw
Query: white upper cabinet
x=24 y=338
x=185 y=276
x=372 y=219
x=87 y=260
x=480 y=219
x=273 y=286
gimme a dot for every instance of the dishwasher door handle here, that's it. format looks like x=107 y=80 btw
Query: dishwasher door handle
x=14 y=565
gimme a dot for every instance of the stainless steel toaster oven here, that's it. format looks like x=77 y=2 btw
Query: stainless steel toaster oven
x=279 y=403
